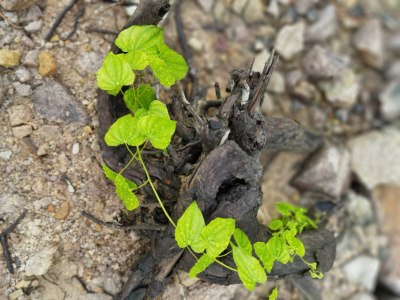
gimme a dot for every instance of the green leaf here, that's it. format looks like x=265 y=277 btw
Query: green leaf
x=111 y=175
x=125 y=194
x=157 y=108
x=242 y=241
x=114 y=74
x=143 y=37
x=249 y=268
x=141 y=97
x=124 y=131
x=262 y=252
x=275 y=224
x=169 y=66
x=277 y=249
x=138 y=60
x=274 y=294
x=204 y=261
x=218 y=234
x=284 y=208
x=297 y=245
x=158 y=130
x=189 y=226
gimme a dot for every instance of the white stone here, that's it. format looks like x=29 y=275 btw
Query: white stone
x=206 y=5
x=23 y=74
x=260 y=60
x=363 y=270
x=75 y=148
x=254 y=11
x=290 y=40
x=6 y=155
x=40 y=262
x=23 y=90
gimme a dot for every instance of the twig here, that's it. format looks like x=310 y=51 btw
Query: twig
x=217 y=90
x=4 y=244
x=59 y=19
x=116 y=225
x=80 y=14
x=9 y=21
x=103 y=31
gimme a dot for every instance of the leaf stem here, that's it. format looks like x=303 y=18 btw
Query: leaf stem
x=130 y=161
x=138 y=152
x=226 y=266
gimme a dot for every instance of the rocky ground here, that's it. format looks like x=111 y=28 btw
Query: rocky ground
x=339 y=76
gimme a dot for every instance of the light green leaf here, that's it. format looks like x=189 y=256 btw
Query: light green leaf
x=297 y=245
x=169 y=66
x=141 y=97
x=204 y=261
x=124 y=131
x=138 y=60
x=157 y=108
x=143 y=37
x=262 y=252
x=277 y=249
x=275 y=224
x=129 y=199
x=158 y=130
x=242 y=241
x=114 y=74
x=249 y=268
x=189 y=226
x=199 y=245
x=274 y=294
x=284 y=208
x=111 y=175
x=218 y=234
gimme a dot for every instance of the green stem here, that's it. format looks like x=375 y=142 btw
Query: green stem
x=226 y=266
x=152 y=187
x=130 y=161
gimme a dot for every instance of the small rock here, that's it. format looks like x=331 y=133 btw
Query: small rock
x=254 y=11
x=23 y=90
x=359 y=209
x=325 y=27
x=40 y=262
x=375 y=157
x=238 y=6
x=185 y=280
x=23 y=74
x=343 y=92
x=6 y=155
x=53 y=102
x=206 y=5
x=49 y=132
x=47 y=64
x=43 y=150
x=196 y=44
x=390 y=101
x=17 y=4
x=327 y=171
x=22 y=131
x=89 y=63
x=34 y=13
x=42 y=203
x=277 y=83
x=11 y=204
x=368 y=40
x=320 y=63
x=260 y=60
x=63 y=211
x=306 y=91
x=31 y=58
x=20 y=114
x=303 y=6
x=33 y=26
x=9 y=58
x=273 y=8
x=18 y=294
x=290 y=40
x=362 y=296
x=75 y=148
x=363 y=270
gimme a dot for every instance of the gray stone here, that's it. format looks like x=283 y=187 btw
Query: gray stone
x=390 y=100
x=40 y=262
x=327 y=171
x=6 y=155
x=325 y=27
x=290 y=40
x=22 y=131
x=31 y=58
x=23 y=90
x=20 y=114
x=394 y=70
x=375 y=157
x=49 y=132
x=89 y=63
x=368 y=40
x=17 y=4
x=363 y=270
x=320 y=63
x=359 y=209
x=23 y=74
x=343 y=92
x=277 y=83
x=11 y=204
x=303 y=6
x=34 y=13
x=33 y=26
x=54 y=102
x=206 y=5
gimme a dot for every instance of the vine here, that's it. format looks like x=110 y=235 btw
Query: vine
x=149 y=122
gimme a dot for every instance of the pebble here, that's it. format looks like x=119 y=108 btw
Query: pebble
x=375 y=157
x=6 y=155
x=49 y=132
x=368 y=40
x=343 y=92
x=327 y=171
x=359 y=209
x=39 y=262
x=15 y=295
x=390 y=100
x=306 y=91
x=362 y=296
x=321 y=63
x=75 y=148
x=238 y=6
x=54 y=102
x=206 y=5
x=254 y=11
x=277 y=83
x=9 y=58
x=47 y=64
x=23 y=74
x=273 y=8
x=20 y=114
x=260 y=60
x=17 y=4
x=325 y=27
x=34 y=13
x=43 y=150
x=290 y=40
x=31 y=58
x=11 y=204
x=303 y=6
x=22 y=131
x=62 y=211
x=363 y=270
x=89 y=63
x=23 y=90
x=33 y=26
